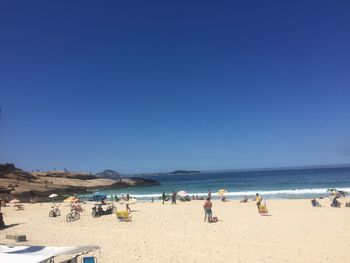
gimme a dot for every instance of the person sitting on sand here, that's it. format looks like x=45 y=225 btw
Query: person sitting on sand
x=315 y=203
x=258 y=200
x=335 y=202
x=223 y=199
x=244 y=200
x=207 y=210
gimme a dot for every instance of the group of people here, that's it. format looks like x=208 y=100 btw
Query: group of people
x=208 y=213
x=334 y=195
x=166 y=198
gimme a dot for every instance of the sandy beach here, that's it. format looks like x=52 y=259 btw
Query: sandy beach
x=295 y=232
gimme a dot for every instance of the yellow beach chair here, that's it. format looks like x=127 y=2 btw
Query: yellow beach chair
x=263 y=209
x=123 y=216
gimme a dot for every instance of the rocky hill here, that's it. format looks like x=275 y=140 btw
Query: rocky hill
x=66 y=174
x=9 y=171
x=59 y=182
x=110 y=174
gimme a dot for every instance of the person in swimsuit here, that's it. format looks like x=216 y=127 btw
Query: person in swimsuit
x=207 y=210
x=173 y=198
x=258 y=200
x=163 y=197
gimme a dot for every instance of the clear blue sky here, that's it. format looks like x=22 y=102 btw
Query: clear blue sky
x=143 y=86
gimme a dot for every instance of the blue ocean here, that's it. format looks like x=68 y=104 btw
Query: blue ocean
x=272 y=184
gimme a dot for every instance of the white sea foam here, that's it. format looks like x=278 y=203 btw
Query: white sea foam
x=283 y=192
x=286 y=192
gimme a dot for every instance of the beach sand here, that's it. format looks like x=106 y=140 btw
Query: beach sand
x=295 y=232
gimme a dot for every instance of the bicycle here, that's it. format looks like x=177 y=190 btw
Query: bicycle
x=73 y=215
x=54 y=211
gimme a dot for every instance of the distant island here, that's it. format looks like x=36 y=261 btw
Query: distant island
x=176 y=172
x=182 y=172
x=23 y=184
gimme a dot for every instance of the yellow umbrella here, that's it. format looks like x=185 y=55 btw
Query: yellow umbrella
x=221 y=192
x=71 y=199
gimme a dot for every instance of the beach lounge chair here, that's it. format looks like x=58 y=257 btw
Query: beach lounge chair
x=89 y=260
x=123 y=216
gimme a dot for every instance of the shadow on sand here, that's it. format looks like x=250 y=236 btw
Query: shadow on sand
x=8 y=226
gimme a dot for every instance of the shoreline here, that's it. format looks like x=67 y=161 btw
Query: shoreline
x=287 y=194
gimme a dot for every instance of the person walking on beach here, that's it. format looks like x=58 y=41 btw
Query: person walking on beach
x=258 y=200
x=173 y=198
x=127 y=205
x=209 y=193
x=207 y=210
x=163 y=197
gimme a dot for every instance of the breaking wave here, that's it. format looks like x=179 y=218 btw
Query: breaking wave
x=271 y=193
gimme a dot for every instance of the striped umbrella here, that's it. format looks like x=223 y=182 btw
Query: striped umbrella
x=182 y=193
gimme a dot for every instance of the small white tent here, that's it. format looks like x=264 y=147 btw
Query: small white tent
x=39 y=254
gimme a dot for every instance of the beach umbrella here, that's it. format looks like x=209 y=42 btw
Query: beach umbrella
x=13 y=201
x=53 y=195
x=221 y=192
x=182 y=193
x=71 y=199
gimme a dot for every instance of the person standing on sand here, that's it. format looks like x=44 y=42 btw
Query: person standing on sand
x=163 y=197
x=127 y=205
x=207 y=210
x=258 y=200
x=209 y=193
x=173 y=198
